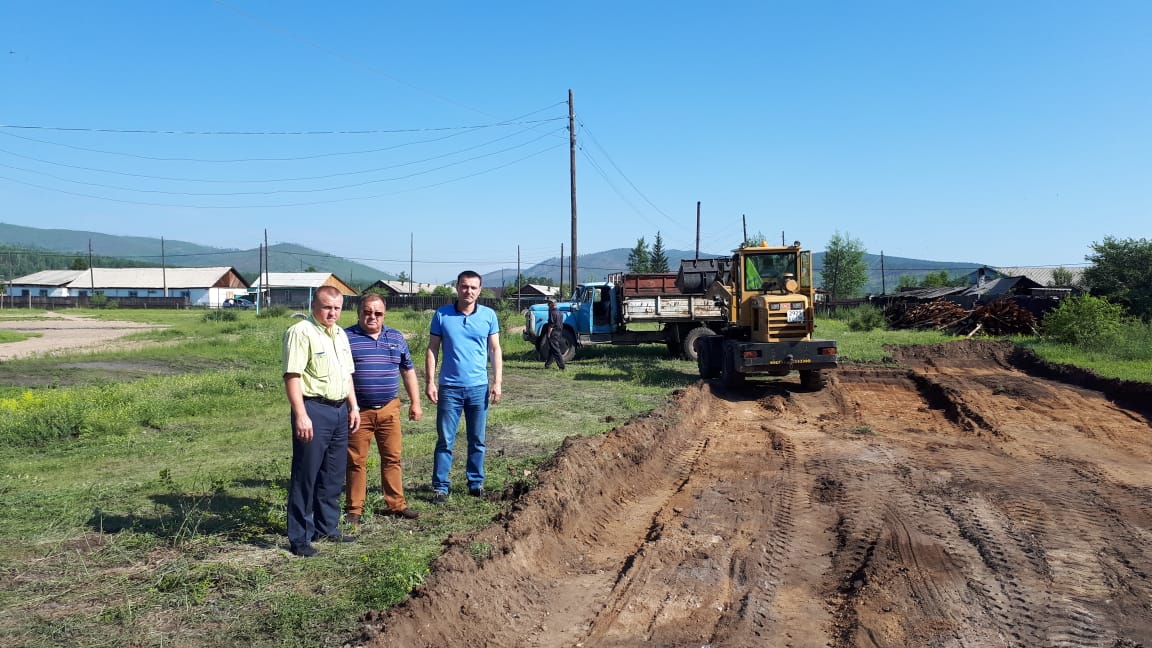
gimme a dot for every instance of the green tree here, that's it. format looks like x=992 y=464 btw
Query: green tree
x=638 y=259
x=942 y=279
x=78 y=263
x=1085 y=321
x=907 y=282
x=443 y=291
x=1061 y=278
x=755 y=240
x=658 y=259
x=1121 y=270
x=402 y=277
x=845 y=272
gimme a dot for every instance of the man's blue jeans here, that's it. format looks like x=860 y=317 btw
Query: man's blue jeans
x=472 y=402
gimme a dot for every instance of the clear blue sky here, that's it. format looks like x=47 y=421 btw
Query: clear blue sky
x=1007 y=133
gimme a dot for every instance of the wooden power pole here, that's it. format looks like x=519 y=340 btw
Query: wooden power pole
x=572 y=178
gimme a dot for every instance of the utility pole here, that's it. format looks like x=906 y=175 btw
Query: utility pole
x=91 y=273
x=560 y=294
x=883 y=285
x=259 y=274
x=519 y=283
x=267 y=262
x=411 y=263
x=744 y=223
x=572 y=176
x=163 y=267
x=697 y=229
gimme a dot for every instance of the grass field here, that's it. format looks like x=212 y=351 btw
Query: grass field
x=144 y=490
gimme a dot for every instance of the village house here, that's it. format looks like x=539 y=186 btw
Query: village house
x=198 y=286
x=295 y=289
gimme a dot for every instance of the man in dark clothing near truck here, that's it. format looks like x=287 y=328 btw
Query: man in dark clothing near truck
x=554 y=336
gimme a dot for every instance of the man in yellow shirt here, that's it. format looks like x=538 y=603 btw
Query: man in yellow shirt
x=318 y=380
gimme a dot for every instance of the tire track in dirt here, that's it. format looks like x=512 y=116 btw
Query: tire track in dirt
x=956 y=502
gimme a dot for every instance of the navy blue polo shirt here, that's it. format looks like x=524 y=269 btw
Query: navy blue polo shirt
x=378 y=364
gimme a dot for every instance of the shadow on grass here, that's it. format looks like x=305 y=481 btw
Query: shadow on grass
x=179 y=517
x=646 y=365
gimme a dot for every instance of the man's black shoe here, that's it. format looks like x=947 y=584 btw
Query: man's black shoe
x=476 y=492
x=407 y=514
x=439 y=497
x=336 y=538
x=304 y=551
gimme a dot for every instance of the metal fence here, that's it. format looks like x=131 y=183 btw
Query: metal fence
x=85 y=301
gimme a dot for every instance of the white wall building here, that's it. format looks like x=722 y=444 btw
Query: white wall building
x=200 y=286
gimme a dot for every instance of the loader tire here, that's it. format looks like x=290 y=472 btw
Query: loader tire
x=812 y=379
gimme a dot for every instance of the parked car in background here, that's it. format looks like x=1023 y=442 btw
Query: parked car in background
x=239 y=302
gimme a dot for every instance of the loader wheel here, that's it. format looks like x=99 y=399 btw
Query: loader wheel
x=729 y=377
x=812 y=379
x=690 y=347
x=708 y=358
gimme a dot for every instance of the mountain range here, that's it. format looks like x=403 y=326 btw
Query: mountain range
x=290 y=257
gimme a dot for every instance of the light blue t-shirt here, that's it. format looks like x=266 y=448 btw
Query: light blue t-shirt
x=464 y=344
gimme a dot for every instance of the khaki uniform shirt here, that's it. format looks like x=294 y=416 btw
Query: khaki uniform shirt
x=321 y=357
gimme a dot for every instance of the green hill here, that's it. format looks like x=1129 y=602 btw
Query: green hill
x=24 y=250
x=596 y=266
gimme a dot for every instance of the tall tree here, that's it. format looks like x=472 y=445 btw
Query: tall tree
x=638 y=259
x=1061 y=278
x=402 y=277
x=658 y=260
x=1121 y=270
x=845 y=272
x=755 y=240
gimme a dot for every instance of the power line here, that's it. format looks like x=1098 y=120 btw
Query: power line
x=460 y=130
x=287 y=191
x=295 y=204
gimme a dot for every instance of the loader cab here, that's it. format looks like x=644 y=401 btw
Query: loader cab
x=775 y=293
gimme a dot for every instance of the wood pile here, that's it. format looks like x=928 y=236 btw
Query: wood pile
x=1002 y=317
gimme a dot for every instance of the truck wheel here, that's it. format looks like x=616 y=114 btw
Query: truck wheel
x=569 y=345
x=689 y=346
x=542 y=349
x=812 y=379
x=729 y=377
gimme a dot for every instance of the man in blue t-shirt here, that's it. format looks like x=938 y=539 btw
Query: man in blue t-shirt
x=470 y=336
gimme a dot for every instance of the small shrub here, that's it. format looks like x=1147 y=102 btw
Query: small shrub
x=272 y=311
x=1085 y=321
x=866 y=318
x=221 y=316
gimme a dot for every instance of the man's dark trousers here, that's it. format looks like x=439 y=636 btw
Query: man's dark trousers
x=317 y=479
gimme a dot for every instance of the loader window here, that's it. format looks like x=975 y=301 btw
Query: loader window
x=766 y=271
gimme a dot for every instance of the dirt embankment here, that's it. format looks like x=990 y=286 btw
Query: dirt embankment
x=957 y=501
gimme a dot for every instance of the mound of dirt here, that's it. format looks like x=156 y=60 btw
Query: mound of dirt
x=958 y=500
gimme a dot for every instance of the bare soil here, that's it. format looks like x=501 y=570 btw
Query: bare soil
x=67 y=333
x=955 y=501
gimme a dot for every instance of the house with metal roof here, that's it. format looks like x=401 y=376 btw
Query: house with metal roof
x=200 y=286
x=401 y=288
x=535 y=290
x=295 y=289
x=1041 y=276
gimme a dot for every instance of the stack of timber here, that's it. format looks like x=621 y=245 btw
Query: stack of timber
x=1002 y=317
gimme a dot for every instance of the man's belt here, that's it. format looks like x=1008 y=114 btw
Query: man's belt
x=325 y=401
x=376 y=407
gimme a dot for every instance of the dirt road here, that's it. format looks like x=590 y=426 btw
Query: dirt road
x=66 y=333
x=955 y=501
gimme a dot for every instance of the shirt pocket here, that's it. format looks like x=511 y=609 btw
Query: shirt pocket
x=320 y=366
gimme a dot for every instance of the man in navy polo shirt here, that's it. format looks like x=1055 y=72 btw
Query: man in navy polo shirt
x=382 y=357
